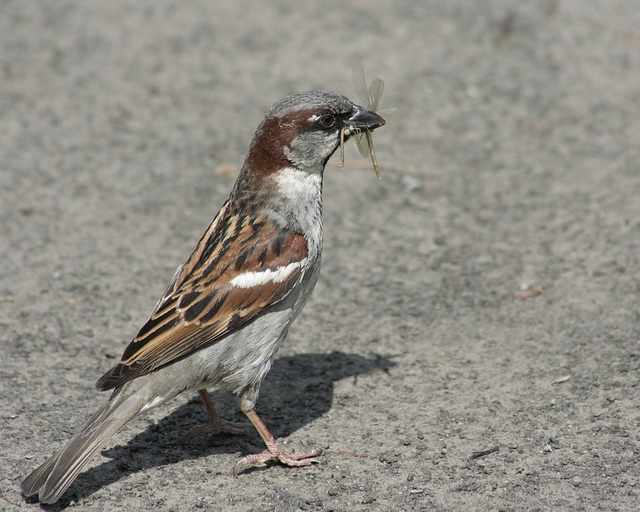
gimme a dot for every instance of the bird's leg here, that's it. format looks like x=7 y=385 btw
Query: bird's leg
x=216 y=423
x=273 y=451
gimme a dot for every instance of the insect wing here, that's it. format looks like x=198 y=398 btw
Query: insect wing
x=370 y=96
x=362 y=143
x=360 y=84
x=375 y=93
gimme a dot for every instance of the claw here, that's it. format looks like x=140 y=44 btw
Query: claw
x=273 y=451
x=224 y=427
x=216 y=423
x=294 y=459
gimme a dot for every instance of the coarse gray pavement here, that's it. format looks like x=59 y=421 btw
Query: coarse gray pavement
x=472 y=343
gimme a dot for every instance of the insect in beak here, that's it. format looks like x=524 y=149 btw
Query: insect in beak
x=363 y=122
x=370 y=95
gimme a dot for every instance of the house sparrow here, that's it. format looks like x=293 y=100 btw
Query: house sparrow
x=229 y=306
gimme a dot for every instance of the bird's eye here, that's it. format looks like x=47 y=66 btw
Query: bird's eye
x=327 y=121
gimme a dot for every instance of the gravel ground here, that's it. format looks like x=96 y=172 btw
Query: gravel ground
x=472 y=343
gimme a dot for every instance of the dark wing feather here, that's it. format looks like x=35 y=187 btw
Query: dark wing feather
x=201 y=305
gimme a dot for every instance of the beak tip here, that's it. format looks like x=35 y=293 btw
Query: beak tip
x=366 y=119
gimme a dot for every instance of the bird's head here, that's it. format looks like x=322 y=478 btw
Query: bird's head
x=303 y=130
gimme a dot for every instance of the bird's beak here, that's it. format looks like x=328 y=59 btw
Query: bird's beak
x=363 y=120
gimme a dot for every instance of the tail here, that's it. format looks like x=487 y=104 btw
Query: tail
x=52 y=478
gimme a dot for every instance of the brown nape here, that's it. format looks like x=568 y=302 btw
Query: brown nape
x=266 y=152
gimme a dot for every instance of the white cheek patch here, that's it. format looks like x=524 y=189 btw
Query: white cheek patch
x=280 y=274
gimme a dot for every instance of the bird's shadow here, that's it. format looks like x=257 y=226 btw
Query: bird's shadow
x=297 y=390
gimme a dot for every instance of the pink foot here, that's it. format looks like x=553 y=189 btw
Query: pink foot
x=216 y=423
x=296 y=459
x=223 y=426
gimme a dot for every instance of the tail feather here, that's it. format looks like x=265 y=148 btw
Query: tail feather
x=54 y=476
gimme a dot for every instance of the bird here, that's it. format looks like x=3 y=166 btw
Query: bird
x=229 y=306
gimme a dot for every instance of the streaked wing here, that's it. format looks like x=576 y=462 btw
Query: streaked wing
x=242 y=265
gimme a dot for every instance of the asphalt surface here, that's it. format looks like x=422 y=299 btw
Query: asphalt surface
x=472 y=343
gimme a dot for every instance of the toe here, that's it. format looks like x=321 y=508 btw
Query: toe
x=299 y=458
x=294 y=459
x=229 y=427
